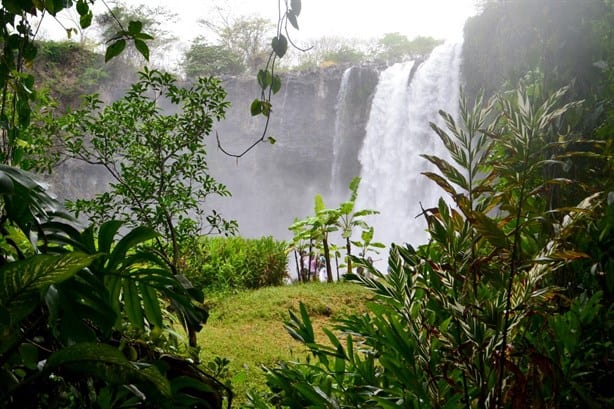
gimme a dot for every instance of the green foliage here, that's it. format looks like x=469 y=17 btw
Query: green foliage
x=158 y=161
x=331 y=50
x=67 y=70
x=344 y=219
x=343 y=55
x=395 y=47
x=139 y=27
x=560 y=39
x=247 y=39
x=234 y=263
x=67 y=301
x=202 y=59
x=480 y=316
x=88 y=321
x=18 y=87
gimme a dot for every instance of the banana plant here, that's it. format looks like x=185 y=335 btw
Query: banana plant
x=349 y=219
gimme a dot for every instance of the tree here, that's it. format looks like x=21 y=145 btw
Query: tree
x=330 y=50
x=157 y=161
x=349 y=219
x=395 y=47
x=148 y=19
x=316 y=229
x=202 y=59
x=246 y=37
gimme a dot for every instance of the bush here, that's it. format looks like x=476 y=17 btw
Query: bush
x=229 y=263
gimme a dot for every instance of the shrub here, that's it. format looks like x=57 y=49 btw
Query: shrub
x=229 y=263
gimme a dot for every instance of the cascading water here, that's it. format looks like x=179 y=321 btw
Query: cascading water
x=340 y=121
x=407 y=98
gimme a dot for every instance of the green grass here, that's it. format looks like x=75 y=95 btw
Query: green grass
x=247 y=328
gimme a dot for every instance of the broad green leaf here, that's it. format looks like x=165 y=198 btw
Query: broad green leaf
x=106 y=235
x=280 y=45
x=6 y=184
x=86 y=20
x=136 y=236
x=292 y=19
x=275 y=84
x=114 y=49
x=151 y=304
x=132 y=303
x=266 y=108
x=29 y=355
x=256 y=107
x=82 y=7
x=313 y=394
x=264 y=78
x=295 y=6
x=135 y=27
x=318 y=204
x=107 y=363
x=442 y=182
x=142 y=47
x=307 y=322
x=448 y=171
x=23 y=281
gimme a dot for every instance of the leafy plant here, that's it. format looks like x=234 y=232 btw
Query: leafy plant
x=234 y=263
x=317 y=228
x=468 y=319
x=157 y=161
x=69 y=301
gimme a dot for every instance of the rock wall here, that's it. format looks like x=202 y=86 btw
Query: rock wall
x=273 y=183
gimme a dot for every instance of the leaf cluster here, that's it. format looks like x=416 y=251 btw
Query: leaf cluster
x=86 y=314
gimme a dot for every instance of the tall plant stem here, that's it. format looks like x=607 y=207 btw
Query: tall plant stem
x=510 y=285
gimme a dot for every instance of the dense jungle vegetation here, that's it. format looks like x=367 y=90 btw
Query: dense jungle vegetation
x=508 y=305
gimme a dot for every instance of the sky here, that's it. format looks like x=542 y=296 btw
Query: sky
x=348 y=18
x=364 y=19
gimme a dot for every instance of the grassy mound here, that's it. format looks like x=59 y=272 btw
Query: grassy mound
x=247 y=328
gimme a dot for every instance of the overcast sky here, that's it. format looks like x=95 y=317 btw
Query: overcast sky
x=361 y=19
x=345 y=18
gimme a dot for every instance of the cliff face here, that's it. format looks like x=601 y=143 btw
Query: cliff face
x=315 y=131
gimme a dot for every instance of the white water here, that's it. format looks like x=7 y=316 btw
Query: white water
x=398 y=132
x=339 y=122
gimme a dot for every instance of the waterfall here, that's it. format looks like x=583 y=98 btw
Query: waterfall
x=408 y=97
x=340 y=122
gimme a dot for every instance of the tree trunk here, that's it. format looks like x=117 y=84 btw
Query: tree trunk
x=348 y=250
x=298 y=266
x=329 y=270
x=337 y=266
